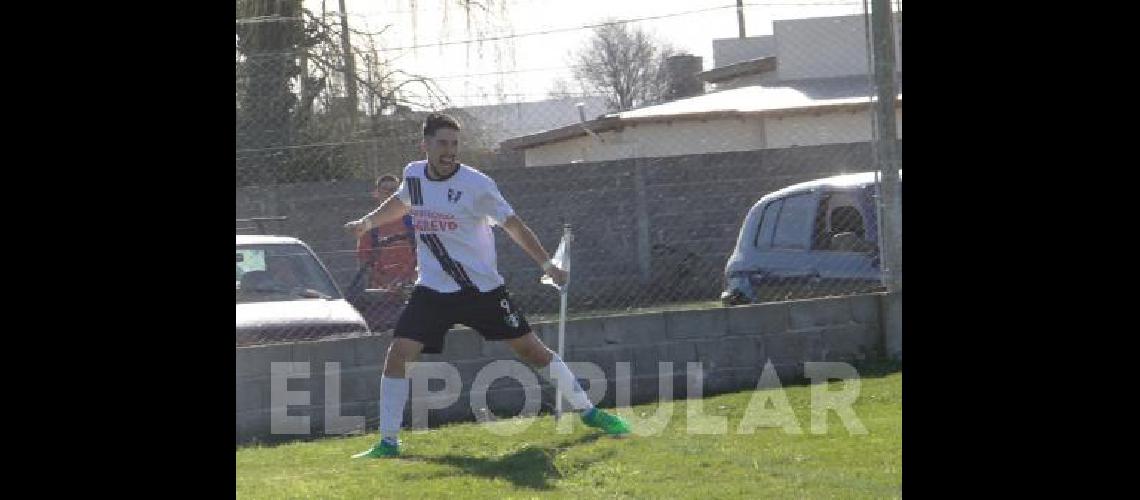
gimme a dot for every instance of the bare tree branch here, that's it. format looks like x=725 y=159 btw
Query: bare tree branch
x=625 y=64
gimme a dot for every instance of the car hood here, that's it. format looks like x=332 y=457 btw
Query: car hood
x=310 y=312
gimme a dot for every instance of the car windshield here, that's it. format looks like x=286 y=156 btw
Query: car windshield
x=271 y=273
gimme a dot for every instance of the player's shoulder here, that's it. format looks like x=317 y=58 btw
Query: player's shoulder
x=414 y=169
x=477 y=177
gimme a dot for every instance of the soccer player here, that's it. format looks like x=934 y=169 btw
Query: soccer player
x=453 y=206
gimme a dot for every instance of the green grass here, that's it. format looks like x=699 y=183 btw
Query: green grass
x=469 y=461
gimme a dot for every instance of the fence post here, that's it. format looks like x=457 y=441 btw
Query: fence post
x=886 y=145
x=642 y=211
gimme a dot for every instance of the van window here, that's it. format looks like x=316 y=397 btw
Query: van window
x=794 y=223
x=767 y=224
x=847 y=219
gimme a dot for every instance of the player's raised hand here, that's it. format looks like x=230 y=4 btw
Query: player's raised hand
x=556 y=274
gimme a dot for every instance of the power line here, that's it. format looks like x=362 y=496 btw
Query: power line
x=808 y=4
x=558 y=30
x=380 y=13
x=507 y=72
x=590 y=26
x=267 y=19
x=368 y=13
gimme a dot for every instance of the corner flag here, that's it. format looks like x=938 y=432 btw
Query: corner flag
x=561 y=260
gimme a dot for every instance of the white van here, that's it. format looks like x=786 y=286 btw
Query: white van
x=812 y=239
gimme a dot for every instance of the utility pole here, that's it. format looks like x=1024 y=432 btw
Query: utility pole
x=373 y=158
x=304 y=110
x=886 y=144
x=740 y=16
x=349 y=66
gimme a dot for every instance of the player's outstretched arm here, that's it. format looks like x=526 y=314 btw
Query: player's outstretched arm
x=389 y=211
x=525 y=238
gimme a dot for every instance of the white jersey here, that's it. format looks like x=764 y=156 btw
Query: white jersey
x=454 y=245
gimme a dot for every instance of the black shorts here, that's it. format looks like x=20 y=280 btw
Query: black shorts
x=430 y=314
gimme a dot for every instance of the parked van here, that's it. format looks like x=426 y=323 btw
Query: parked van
x=812 y=239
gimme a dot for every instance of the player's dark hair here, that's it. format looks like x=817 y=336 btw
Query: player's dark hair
x=436 y=121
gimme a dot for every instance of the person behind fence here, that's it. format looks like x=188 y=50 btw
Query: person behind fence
x=284 y=277
x=453 y=207
x=388 y=251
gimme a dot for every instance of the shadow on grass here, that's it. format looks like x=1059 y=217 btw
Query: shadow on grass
x=531 y=467
x=866 y=369
x=876 y=368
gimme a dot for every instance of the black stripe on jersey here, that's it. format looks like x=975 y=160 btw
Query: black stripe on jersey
x=458 y=266
x=464 y=280
x=414 y=191
x=451 y=267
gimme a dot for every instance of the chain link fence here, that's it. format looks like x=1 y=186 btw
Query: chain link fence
x=696 y=200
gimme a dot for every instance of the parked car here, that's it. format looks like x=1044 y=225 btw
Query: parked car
x=284 y=292
x=811 y=239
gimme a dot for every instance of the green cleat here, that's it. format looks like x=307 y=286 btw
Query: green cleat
x=382 y=449
x=610 y=424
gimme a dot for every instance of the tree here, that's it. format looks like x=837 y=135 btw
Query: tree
x=266 y=36
x=295 y=120
x=624 y=63
x=562 y=88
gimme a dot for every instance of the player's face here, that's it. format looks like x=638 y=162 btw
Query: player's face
x=442 y=148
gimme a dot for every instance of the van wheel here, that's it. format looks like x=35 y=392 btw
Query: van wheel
x=734 y=298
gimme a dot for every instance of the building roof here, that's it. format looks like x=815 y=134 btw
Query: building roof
x=790 y=97
x=498 y=122
x=743 y=68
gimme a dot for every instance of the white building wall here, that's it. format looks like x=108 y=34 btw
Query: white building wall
x=578 y=149
x=711 y=136
x=824 y=47
x=644 y=140
x=826 y=128
x=728 y=51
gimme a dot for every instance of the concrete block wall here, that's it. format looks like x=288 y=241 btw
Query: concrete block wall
x=731 y=345
x=681 y=228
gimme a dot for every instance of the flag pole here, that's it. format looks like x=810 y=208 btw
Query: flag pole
x=566 y=237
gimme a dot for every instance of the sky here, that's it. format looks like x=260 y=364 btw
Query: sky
x=527 y=66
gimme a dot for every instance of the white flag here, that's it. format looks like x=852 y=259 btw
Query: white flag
x=561 y=260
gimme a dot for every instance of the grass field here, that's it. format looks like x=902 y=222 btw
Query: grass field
x=469 y=461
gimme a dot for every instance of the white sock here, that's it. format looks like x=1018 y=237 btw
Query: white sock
x=575 y=396
x=393 y=396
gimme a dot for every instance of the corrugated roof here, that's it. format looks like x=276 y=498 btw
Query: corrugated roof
x=758 y=98
x=504 y=121
x=786 y=97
